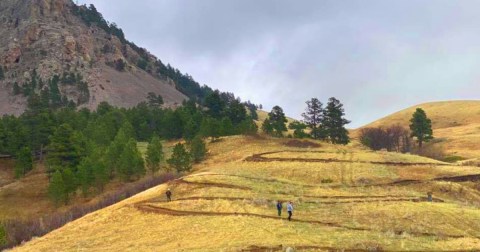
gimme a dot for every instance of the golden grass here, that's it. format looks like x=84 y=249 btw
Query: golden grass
x=345 y=213
x=456 y=125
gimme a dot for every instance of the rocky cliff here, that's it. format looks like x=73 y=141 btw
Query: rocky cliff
x=45 y=40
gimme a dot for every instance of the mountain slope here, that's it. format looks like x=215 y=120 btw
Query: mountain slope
x=456 y=125
x=357 y=201
x=41 y=39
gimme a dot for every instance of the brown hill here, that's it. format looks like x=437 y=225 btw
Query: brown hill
x=456 y=125
x=43 y=38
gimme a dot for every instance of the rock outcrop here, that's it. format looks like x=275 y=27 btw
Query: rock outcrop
x=51 y=37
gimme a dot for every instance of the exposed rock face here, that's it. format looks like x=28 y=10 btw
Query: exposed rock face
x=47 y=35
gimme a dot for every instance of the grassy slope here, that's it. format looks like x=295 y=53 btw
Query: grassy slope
x=456 y=125
x=341 y=214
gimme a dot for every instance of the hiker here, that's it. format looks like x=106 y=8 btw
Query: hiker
x=290 y=210
x=279 y=208
x=169 y=195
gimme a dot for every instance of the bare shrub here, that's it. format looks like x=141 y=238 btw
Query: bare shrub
x=393 y=138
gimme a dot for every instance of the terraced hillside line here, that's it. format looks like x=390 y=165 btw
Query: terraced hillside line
x=260 y=158
x=166 y=211
x=213 y=184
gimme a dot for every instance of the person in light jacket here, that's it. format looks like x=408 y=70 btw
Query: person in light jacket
x=290 y=210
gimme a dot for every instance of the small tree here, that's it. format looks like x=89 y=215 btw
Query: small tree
x=180 y=159
x=298 y=129
x=198 y=149
x=24 y=162
x=154 y=156
x=2 y=74
x=421 y=127
x=56 y=189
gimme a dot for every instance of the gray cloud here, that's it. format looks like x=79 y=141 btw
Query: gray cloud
x=375 y=56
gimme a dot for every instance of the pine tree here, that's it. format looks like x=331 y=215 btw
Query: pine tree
x=191 y=129
x=154 y=156
x=236 y=112
x=198 y=149
x=421 y=127
x=85 y=176
x=70 y=182
x=313 y=117
x=334 y=123
x=56 y=189
x=248 y=127
x=180 y=159
x=226 y=128
x=131 y=162
x=117 y=146
x=65 y=149
x=275 y=124
x=24 y=162
x=210 y=127
x=215 y=104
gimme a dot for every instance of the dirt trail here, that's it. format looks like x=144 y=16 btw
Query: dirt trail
x=213 y=184
x=260 y=158
x=145 y=207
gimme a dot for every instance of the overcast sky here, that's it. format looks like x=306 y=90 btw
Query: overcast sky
x=376 y=57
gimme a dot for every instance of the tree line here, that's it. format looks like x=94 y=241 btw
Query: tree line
x=83 y=150
x=327 y=124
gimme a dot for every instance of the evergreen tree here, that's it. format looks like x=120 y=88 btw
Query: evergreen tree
x=85 y=176
x=24 y=162
x=191 y=129
x=131 y=163
x=421 y=127
x=215 y=105
x=70 y=182
x=65 y=149
x=236 y=112
x=276 y=120
x=154 y=156
x=57 y=189
x=248 y=127
x=114 y=151
x=226 y=128
x=180 y=159
x=210 y=127
x=313 y=117
x=198 y=149
x=267 y=127
x=334 y=123
x=298 y=129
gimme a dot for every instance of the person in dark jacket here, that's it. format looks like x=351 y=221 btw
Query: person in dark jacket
x=279 y=208
x=169 y=195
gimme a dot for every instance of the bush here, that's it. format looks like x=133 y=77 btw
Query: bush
x=453 y=159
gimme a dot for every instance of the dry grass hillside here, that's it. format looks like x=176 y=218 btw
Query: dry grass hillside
x=456 y=125
x=345 y=199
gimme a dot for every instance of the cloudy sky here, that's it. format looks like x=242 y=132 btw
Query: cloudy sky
x=377 y=57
